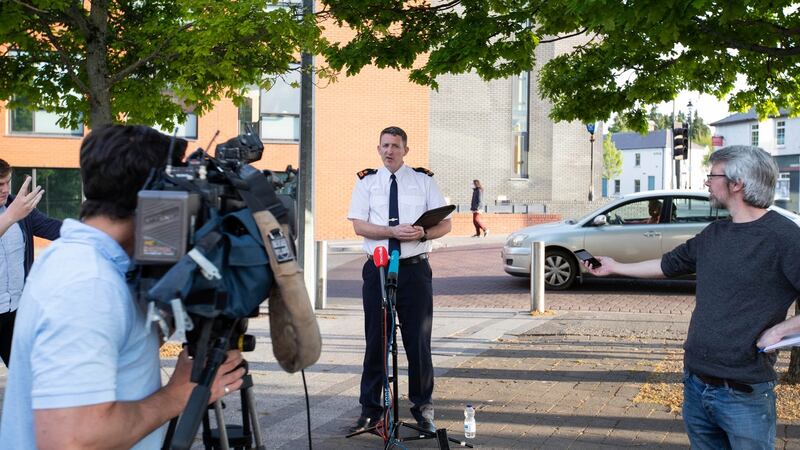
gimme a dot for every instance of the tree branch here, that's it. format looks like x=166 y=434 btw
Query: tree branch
x=566 y=36
x=732 y=42
x=64 y=56
x=153 y=55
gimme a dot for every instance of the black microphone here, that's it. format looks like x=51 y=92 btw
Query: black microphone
x=381 y=259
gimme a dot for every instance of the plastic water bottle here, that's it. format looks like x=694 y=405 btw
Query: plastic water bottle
x=469 y=422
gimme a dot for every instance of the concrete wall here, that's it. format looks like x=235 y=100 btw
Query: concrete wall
x=470 y=136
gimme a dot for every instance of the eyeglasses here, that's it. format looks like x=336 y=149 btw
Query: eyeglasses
x=711 y=176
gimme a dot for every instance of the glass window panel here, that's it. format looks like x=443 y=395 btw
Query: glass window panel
x=781 y=133
x=21 y=120
x=187 y=130
x=63 y=195
x=282 y=98
x=280 y=128
x=45 y=123
x=691 y=210
x=636 y=213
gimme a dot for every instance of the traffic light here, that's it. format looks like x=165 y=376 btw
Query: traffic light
x=680 y=140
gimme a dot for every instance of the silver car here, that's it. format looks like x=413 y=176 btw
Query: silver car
x=633 y=228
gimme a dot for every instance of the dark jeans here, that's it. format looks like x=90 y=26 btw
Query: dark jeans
x=719 y=417
x=6 y=334
x=415 y=315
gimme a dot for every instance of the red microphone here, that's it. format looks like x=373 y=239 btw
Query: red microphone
x=381 y=259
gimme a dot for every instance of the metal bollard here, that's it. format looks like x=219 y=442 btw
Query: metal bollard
x=322 y=275
x=537 y=276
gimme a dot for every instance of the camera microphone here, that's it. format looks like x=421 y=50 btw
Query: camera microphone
x=381 y=259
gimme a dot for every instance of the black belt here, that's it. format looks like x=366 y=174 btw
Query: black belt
x=724 y=382
x=410 y=260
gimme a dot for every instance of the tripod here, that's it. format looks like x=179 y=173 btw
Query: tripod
x=389 y=425
x=227 y=437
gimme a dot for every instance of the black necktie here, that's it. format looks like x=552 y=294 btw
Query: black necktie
x=394 y=214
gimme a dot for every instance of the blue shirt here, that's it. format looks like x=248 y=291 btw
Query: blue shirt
x=12 y=266
x=80 y=339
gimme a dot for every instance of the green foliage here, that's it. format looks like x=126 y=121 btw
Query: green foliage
x=612 y=159
x=143 y=61
x=631 y=54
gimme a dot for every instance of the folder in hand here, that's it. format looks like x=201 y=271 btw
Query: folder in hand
x=433 y=216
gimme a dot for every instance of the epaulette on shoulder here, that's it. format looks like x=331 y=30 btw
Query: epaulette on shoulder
x=423 y=170
x=366 y=172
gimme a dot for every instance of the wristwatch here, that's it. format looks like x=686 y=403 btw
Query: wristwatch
x=424 y=236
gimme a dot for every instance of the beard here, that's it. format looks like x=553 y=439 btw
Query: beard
x=716 y=203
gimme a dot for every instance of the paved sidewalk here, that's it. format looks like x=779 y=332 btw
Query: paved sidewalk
x=565 y=381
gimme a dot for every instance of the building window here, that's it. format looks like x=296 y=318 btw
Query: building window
x=651 y=182
x=782 y=191
x=780 y=132
x=754 y=135
x=246 y=116
x=616 y=186
x=637 y=185
x=24 y=121
x=279 y=109
x=62 y=187
x=519 y=123
x=186 y=130
x=638 y=157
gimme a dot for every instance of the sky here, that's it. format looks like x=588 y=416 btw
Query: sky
x=707 y=106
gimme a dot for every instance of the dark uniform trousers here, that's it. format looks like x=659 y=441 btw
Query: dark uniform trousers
x=415 y=315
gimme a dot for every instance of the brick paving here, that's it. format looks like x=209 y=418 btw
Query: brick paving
x=565 y=381
x=567 y=384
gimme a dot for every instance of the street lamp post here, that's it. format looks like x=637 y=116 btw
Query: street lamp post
x=689 y=145
x=590 y=129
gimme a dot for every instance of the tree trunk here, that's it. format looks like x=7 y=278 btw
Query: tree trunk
x=97 y=66
x=793 y=373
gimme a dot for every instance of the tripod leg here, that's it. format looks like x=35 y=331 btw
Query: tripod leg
x=223 y=432
x=251 y=407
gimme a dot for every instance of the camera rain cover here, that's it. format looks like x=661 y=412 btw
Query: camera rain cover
x=233 y=244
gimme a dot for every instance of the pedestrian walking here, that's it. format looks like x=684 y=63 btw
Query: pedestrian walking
x=476 y=206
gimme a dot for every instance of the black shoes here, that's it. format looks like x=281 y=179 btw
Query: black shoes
x=427 y=425
x=364 y=422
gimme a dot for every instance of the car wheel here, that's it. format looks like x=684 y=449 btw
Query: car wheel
x=560 y=269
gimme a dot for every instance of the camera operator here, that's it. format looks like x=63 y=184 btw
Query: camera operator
x=85 y=370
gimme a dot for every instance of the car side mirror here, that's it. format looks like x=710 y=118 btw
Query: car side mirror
x=600 y=220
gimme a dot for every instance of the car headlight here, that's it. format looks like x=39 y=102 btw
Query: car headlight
x=516 y=240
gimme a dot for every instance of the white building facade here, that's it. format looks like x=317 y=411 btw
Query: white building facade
x=778 y=136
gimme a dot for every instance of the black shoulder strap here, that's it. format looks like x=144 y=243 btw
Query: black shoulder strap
x=423 y=170
x=366 y=172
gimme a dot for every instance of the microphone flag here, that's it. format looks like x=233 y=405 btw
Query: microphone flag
x=380 y=257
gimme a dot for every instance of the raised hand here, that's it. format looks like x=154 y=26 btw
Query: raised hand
x=25 y=201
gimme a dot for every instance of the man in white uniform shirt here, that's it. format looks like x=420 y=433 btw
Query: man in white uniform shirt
x=385 y=203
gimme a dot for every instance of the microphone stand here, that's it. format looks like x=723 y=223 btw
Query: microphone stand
x=393 y=436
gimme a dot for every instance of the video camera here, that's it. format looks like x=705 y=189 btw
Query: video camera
x=213 y=241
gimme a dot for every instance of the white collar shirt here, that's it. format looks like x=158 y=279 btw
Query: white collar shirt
x=417 y=192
